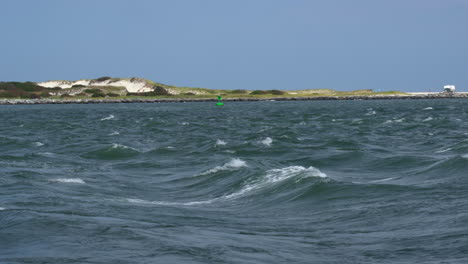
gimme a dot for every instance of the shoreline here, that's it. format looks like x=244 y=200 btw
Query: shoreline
x=186 y=100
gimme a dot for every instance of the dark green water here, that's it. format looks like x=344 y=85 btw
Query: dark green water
x=268 y=182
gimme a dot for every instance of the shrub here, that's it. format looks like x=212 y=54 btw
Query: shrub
x=159 y=90
x=259 y=92
x=92 y=91
x=7 y=86
x=239 y=91
x=276 y=92
x=78 y=86
x=102 y=79
x=112 y=95
x=65 y=95
x=99 y=94
x=81 y=94
x=189 y=93
x=8 y=95
x=45 y=94
x=28 y=86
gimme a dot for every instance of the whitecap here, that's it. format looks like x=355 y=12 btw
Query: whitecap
x=38 y=144
x=229 y=151
x=120 y=146
x=185 y=123
x=394 y=121
x=46 y=154
x=272 y=177
x=428 y=108
x=427 y=119
x=371 y=113
x=302 y=123
x=170 y=147
x=382 y=180
x=233 y=164
x=443 y=150
x=267 y=141
x=108 y=118
x=277 y=175
x=220 y=142
x=1 y=209
x=69 y=180
x=114 y=133
x=163 y=203
x=465 y=156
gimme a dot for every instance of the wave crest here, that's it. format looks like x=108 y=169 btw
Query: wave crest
x=69 y=180
x=233 y=164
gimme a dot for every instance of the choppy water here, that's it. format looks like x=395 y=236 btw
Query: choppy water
x=268 y=182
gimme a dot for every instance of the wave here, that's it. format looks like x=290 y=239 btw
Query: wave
x=233 y=164
x=275 y=176
x=271 y=179
x=383 y=180
x=427 y=119
x=220 y=142
x=116 y=151
x=107 y=118
x=38 y=144
x=140 y=201
x=394 y=121
x=267 y=141
x=69 y=180
x=114 y=133
x=443 y=150
x=428 y=108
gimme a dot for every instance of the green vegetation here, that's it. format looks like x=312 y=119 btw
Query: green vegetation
x=79 y=91
x=26 y=90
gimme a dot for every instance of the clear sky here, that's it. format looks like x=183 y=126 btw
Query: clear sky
x=406 y=45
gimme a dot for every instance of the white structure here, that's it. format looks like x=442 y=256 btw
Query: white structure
x=449 y=89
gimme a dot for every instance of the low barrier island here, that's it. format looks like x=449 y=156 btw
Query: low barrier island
x=138 y=90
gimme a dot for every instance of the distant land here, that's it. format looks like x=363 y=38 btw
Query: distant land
x=108 y=89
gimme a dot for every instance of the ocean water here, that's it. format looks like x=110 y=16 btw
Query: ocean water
x=252 y=182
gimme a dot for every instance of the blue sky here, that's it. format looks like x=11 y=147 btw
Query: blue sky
x=406 y=45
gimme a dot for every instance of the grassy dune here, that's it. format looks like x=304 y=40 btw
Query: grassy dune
x=103 y=88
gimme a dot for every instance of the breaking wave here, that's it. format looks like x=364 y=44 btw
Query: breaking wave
x=69 y=180
x=116 y=151
x=233 y=164
x=107 y=118
x=270 y=179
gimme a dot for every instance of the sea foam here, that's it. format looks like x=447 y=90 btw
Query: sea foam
x=233 y=164
x=278 y=175
x=271 y=177
x=267 y=141
x=382 y=180
x=69 y=180
x=220 y=142
x=108 y=118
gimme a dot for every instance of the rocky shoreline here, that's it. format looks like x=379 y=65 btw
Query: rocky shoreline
x=182 y=100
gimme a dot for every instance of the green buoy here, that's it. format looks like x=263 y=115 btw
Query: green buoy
x=219 y=103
